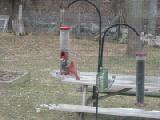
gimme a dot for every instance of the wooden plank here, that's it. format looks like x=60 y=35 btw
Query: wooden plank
x=79 y=82
x=109 y=93
x=124 y=112
x=86 y=78
x=117 y=90
x=121 y=80
x=147 y=93
x=112 y=90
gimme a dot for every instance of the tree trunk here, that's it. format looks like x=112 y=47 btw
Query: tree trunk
x=135 y=19
x=152 y=17
x=12 y=10
x=21 y=25
x=114 y=4
x=18 y=25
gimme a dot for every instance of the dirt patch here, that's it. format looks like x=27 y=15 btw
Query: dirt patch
x=8 y=76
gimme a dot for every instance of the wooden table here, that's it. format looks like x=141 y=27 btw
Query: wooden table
x=121 y=84
x=86 y=79
x=89 y=79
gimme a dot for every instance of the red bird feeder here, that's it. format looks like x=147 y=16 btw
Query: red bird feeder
x=65 y=67
x=64 y=49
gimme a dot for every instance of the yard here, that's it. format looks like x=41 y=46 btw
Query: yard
x=38 y=54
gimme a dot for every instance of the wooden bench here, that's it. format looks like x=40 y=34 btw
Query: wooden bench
x=89 y=79
x=123 y=112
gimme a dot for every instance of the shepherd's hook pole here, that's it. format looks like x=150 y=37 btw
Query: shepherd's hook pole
x=112 y=26
x=95 y=89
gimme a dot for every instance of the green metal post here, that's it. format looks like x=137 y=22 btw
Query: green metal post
x=140 y=58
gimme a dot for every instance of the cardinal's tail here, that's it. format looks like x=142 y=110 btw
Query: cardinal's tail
x=77 y=76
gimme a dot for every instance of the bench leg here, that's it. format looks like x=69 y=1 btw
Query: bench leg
x=84 y=94
x=84 y=100
x=80 y=116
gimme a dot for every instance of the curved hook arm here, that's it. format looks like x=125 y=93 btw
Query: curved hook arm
x=115 y=25
x=95 y=93
x=100 y=26
x=105 y=32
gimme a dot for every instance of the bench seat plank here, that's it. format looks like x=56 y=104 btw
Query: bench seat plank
x=129 y=112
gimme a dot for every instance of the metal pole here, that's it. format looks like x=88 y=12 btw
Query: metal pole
x=95 y=89
x=105 y=32
x=62 y=16
x=140 y=64
x=119 y=28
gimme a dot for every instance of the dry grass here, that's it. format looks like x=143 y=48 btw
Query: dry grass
x=38 y=54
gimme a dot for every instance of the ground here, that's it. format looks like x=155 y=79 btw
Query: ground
x=38 y=54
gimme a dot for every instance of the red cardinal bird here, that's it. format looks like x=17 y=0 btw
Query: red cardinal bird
x=72 y=70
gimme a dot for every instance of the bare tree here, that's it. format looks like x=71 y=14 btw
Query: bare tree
x=17 y=22
x=152 y=16
x=134 y=10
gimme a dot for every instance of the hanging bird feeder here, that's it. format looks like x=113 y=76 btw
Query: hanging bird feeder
x=64 y=49
x=66 y=68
